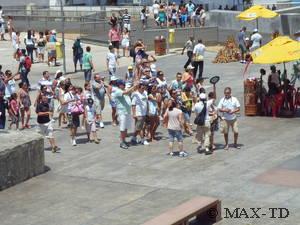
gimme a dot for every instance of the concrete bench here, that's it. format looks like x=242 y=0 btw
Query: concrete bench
x=205 y=210
x=21 y=157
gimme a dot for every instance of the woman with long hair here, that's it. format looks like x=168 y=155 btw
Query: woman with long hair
x=70 y=101
x=125 y=42
x=173 y=120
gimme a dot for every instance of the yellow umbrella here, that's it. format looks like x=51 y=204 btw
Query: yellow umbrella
x=280 y=50
x=255 y=12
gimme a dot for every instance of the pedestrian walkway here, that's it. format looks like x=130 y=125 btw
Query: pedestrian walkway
x=101 y=184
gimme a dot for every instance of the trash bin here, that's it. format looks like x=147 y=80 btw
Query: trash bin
x=160 y=45
x=59 y=51
x=171 y=36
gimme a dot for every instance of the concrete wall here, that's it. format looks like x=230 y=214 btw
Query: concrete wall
x=286 y=23
x=227 y=20
x=21 y=157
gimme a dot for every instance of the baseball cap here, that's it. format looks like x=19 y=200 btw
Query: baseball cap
x=130 y=67
x=120 y=82
x=113 y=78
x=255 y=30
x=202 y=96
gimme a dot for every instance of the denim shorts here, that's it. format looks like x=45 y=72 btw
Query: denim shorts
x=187 y=116
x=175 y=134
x=87 y=75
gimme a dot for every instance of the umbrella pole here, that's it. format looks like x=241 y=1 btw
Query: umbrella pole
x=257 y=23
x=285 y=87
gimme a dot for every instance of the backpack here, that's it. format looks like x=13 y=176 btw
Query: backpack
x=27 y=63
x=200 y=118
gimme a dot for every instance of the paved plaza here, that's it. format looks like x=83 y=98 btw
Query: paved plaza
x=103 y=185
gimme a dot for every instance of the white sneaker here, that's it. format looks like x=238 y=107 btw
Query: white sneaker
x=145 y=142
x=101 y=124
x=74 y=142
x=183 y=154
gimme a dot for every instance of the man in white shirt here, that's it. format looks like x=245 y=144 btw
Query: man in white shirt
x=139 y=112
x=229 y=106
x=155 y=9
x=198 y=58
x=203 y=131
x=256 y=40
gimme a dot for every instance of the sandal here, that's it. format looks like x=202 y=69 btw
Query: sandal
x=226 y=147
x=237 y=146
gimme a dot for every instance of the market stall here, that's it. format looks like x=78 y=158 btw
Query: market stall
x=280 y=50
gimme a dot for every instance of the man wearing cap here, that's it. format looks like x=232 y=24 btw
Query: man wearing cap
x=98 y=92
x=256 y=39
x=198 y=58
x=189 y=46
x=123 y=105
x=203 y=130
x=77 y=53
x=139 y=112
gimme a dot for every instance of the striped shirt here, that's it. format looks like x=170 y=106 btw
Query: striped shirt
x=126 y=19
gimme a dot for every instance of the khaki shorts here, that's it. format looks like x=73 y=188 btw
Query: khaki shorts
x=98 y=106
x=225 y=124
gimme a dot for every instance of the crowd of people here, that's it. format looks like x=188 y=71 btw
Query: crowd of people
x=142 y=99
x=182 y=15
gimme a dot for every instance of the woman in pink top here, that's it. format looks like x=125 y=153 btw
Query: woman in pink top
x=115 y=38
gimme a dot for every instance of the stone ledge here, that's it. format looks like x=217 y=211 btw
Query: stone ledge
x=21 y=157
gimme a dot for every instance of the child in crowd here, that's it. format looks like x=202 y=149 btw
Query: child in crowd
x=129 y=77
x=111 y=61
x=90 y=121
